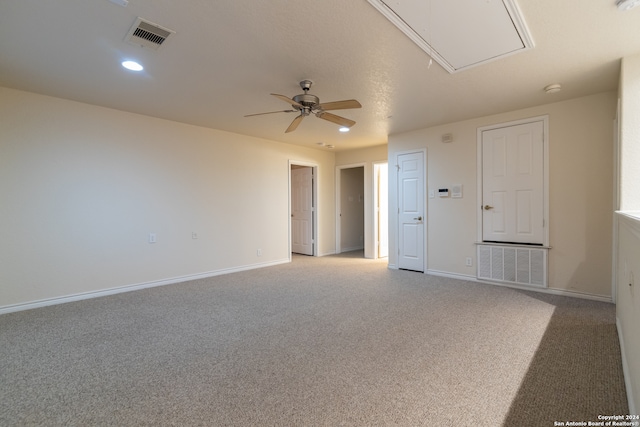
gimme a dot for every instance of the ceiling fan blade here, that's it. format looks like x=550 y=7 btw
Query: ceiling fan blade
x=340 y=105
x=336 y=119
x=272 y=112
x=294 y=124
x=287 y=100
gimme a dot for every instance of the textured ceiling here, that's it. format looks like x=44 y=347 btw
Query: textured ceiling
x=228 y=55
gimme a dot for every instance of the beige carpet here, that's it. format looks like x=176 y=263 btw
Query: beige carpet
x=319 y=342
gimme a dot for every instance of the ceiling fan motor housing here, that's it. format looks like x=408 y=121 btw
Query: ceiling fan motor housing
x=307 y=100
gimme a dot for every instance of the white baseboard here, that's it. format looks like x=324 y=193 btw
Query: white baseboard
x=553 y=291
x=352 y=248
x=328 y=253
x=134 y=287
x=625 y=371
x=451 y=275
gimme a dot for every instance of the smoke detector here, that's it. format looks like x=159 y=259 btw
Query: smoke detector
x=553 y=88
x=147 y=34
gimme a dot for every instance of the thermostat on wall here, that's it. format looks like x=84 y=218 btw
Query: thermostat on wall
x=456 y=191
x=443 y=192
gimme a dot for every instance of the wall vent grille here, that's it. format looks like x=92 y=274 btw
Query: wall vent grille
x=517 y=265
x=147 y=34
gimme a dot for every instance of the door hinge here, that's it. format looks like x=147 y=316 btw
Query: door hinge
x=398 y=167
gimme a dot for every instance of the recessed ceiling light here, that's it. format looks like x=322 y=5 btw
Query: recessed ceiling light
x=132 y=65
x=330 y=146
x=344 y=129
x=556 y=87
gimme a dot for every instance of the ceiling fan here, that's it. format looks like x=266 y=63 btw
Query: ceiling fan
x=307 y=104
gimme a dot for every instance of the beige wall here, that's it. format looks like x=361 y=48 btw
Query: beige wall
x=580 y=180
x=83 y=186
x=363 y=155
x=630 y=134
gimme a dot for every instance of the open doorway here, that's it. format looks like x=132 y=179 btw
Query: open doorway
x=303 y=222
x=362 y=209
x=351 y=195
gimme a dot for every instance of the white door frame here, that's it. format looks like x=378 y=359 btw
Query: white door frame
x=616 y=202
x=545 y=123
x=338 y=205
x=315 y=221
x=396 y=207
x=376 y=191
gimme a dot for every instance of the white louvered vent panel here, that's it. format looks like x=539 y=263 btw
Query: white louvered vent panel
x=509 y=265
x=484 y=262
x=497 y=262
x=147 y=34
x=538 y=268
x=522 y=266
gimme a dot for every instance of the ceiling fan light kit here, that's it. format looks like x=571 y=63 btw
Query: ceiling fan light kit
x=307 y=104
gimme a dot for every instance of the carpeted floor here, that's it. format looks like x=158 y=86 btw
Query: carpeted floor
x=328 y=341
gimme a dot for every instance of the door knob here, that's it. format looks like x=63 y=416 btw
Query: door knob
x=487 y=207
x=419 y=218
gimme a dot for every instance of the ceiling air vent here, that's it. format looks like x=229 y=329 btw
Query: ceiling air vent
x=147 y=34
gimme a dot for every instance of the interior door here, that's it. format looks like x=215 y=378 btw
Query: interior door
x=513 y=184
x=411 y=211
x=302 y=210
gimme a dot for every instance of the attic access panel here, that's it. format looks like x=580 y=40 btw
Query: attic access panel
x=460 y=34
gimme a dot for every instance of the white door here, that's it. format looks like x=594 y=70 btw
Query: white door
x=411 y=211
x=382 y=210
x=302 y=210
x=513 y=184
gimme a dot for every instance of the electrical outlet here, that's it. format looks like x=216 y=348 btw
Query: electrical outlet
x=468 y=262
x=194 y=235
x=259 y=252
x=152 y=237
